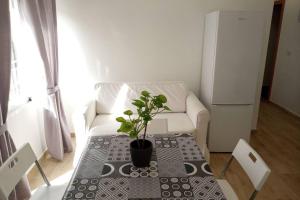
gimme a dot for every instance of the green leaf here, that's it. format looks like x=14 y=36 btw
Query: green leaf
x=133 y=134
x=138 y=103
x=162 y=98
x=136 y=121
x=120 y=119
x=128 y=112
x=145 y=93
x=144 y=99
x=139 y=111
x=147 y=118
x=126 y=127
x=146 y=106
x=167 y=108
x=157 y=103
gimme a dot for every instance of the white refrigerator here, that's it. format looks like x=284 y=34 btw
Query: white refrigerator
x=232 y=55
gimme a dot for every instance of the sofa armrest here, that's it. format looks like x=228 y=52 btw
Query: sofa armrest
x=84 y=116
x=199 y=116
x=82 y=120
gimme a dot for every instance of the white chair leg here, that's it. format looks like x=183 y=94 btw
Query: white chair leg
x=253 y=195
x=42 y=173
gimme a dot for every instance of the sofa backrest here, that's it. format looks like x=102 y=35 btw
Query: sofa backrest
x=117 y=97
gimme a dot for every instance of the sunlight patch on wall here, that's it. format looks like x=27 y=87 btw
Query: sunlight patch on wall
x=75 y=81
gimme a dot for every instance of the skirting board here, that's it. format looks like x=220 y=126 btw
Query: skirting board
x=43 y=156
x=286 y=110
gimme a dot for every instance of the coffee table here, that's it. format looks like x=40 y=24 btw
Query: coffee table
x=178 y=170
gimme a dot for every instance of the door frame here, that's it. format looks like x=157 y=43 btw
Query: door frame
x=282 y=3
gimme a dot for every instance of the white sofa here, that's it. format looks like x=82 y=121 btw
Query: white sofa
x=188 y=114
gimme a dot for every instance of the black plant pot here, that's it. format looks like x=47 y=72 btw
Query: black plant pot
x=141 y=153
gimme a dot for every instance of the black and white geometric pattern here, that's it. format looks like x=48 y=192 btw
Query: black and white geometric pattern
x=177 y=171
x=128 y=170
x=95 y=155
x=170 y=168
x=119 y=149
x=99 y=142
x=197 y=168
x=113 y=189
x=176 y=187
x=206 y=188
x=92 y=163
x=189 y=148
x=82 y=189
x=166 y=142
x=109 y=170
x=144 y=188
x=168 y=154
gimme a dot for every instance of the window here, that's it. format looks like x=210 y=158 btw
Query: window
x=27 y=75
x=16 y=95
x=15 y=85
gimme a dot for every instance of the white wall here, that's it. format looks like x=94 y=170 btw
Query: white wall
x=25 y=124
x=286 y=82
x=115 y=40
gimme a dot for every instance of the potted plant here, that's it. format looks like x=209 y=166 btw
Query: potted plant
x=147 y=107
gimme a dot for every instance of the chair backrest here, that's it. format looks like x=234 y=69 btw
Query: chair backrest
x=14 y=168
x=256 y=169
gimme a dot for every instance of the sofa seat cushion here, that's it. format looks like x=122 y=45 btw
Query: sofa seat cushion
x=177 y=122
x=107 y=124
x=104 y=124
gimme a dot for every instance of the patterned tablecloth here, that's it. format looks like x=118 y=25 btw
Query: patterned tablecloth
x=177 y=171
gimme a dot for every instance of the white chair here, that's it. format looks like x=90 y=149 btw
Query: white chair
x=253 y=165
x=14 y=168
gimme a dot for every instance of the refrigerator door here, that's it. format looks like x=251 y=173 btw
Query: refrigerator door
x=228 y=124
x=238 y=56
